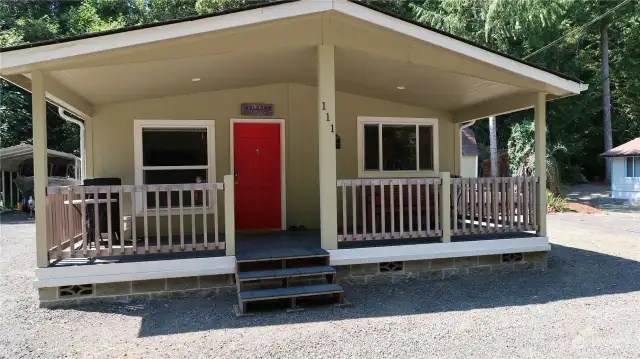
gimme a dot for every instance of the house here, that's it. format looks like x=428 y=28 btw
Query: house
x=323 y=127
x=625 y=170
x=469 y=154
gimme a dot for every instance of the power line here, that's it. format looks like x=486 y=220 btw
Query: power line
x=578 y=29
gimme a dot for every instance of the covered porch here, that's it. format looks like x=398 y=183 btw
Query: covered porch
x=355 y=143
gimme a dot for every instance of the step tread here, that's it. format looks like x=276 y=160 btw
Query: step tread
x=280 y=253
x=290 y=292
x=282 y=273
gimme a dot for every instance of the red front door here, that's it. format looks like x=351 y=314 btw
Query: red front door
x=256 y=162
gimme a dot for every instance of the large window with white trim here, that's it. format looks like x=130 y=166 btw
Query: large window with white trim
x=632 y=166
x=174 y=152
x=397 y=146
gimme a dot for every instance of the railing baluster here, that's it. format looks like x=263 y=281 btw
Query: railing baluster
x=401 y=208
x=205 y=193
x=145 y=209
x=473 y=186
x=363 y=201
x=534 y=207
x=410 y=208
x=193 y=219
x=354 y=210
x=392 y=209
x=525 y=213
x=487 y=196
x=344 y=212
x=480 y=204
x=382 y=211
x=495 y=200
x=214 y=206
x=436 y=205
x=454 y=195
x=71 y=218
x=503 y=203
x=372 y=193
x=169 y=219
x=419 y=207
x=427 y=208
x=134 y=211
x=181 y=207
x=121 y=218
x=96 y=221
x=109 y=223
x=158 y=239
x=83 y=219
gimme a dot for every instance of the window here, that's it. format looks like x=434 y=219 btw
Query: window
x=397 y=146
x=633 y=166
x=174 y=152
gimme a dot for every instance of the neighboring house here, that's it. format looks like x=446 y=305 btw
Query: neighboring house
x=469 y=154
x=625 y=170
x=233 y=132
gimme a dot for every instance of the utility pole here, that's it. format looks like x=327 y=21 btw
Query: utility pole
x=606 y=95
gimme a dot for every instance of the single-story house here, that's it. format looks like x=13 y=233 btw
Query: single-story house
x=625 y=170
x=469 y=154
x=321 y=127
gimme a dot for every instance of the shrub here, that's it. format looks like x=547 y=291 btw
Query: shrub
x=556 y=203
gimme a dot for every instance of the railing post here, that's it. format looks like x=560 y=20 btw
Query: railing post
x=540 y=109
x=445 y=206
x=39 y=110
x=229 y=215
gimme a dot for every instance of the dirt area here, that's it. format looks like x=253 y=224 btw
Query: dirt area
x=583 y=208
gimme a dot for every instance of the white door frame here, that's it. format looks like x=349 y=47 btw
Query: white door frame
x=283 y=172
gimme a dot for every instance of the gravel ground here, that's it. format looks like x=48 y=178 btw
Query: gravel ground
x=586 y=306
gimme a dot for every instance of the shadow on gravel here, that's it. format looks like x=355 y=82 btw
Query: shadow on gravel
x=15 y=218
x=573 y=273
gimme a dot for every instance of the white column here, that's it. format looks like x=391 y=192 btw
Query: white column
x=87 y=155
x=11 y=201
x=541 y=160
x=39 y=114
x=4 y=192
x=327 y=146
x=229 y=215
x=445 y=206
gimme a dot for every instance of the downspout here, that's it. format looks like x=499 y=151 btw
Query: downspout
x=465 y=125
x=83 y=152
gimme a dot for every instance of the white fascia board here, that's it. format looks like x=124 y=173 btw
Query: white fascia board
x=12 y=60
x=124 y=272
x=438 y=250
x=446 y=42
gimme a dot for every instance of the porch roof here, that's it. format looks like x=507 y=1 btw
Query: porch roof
x=377 y=55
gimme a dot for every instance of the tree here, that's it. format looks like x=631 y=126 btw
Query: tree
x=606 y=96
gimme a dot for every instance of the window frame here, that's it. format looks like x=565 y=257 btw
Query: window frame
x=140 y=125
x=411 y=121
x=633 y=166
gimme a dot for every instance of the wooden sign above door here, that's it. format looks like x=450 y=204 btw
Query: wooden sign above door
x=256 y=109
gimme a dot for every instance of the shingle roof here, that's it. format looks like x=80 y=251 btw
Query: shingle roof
x=468 y=142
x=631 y=148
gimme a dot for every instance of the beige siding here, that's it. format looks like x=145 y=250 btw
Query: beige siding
x=113 y=149
x=469 y=166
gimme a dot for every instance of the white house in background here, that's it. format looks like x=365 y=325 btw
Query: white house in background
x=326 y=115
x=625 y=170
x=468 y=154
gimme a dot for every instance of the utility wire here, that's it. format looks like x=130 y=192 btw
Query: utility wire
x=578 y=29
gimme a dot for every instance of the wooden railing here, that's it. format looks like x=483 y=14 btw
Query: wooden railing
x=77 y=229
x=493 y=205
x=388 y=208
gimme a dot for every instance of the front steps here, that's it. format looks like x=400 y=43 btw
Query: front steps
x=292 y=278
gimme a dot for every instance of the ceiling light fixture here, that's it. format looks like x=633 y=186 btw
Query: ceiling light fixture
x=195 y=79
x=400 y=87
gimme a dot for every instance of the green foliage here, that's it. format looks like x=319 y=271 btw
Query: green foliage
x=556 y=203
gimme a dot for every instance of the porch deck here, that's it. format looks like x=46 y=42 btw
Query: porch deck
x=247 y=243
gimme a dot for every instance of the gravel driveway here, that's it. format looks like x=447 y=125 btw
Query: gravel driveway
x=587 y=305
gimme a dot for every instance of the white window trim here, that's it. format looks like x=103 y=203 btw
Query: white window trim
x=139 y=125
x=633 y=167
x=362 y=120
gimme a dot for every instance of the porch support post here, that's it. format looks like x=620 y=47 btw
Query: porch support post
x=445 y=206
x=327 y=147
x=39 y=109
x=229 y=216
x=87 y=159
x=541 y=160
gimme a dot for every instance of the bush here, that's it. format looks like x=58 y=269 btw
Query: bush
x=556 y=203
